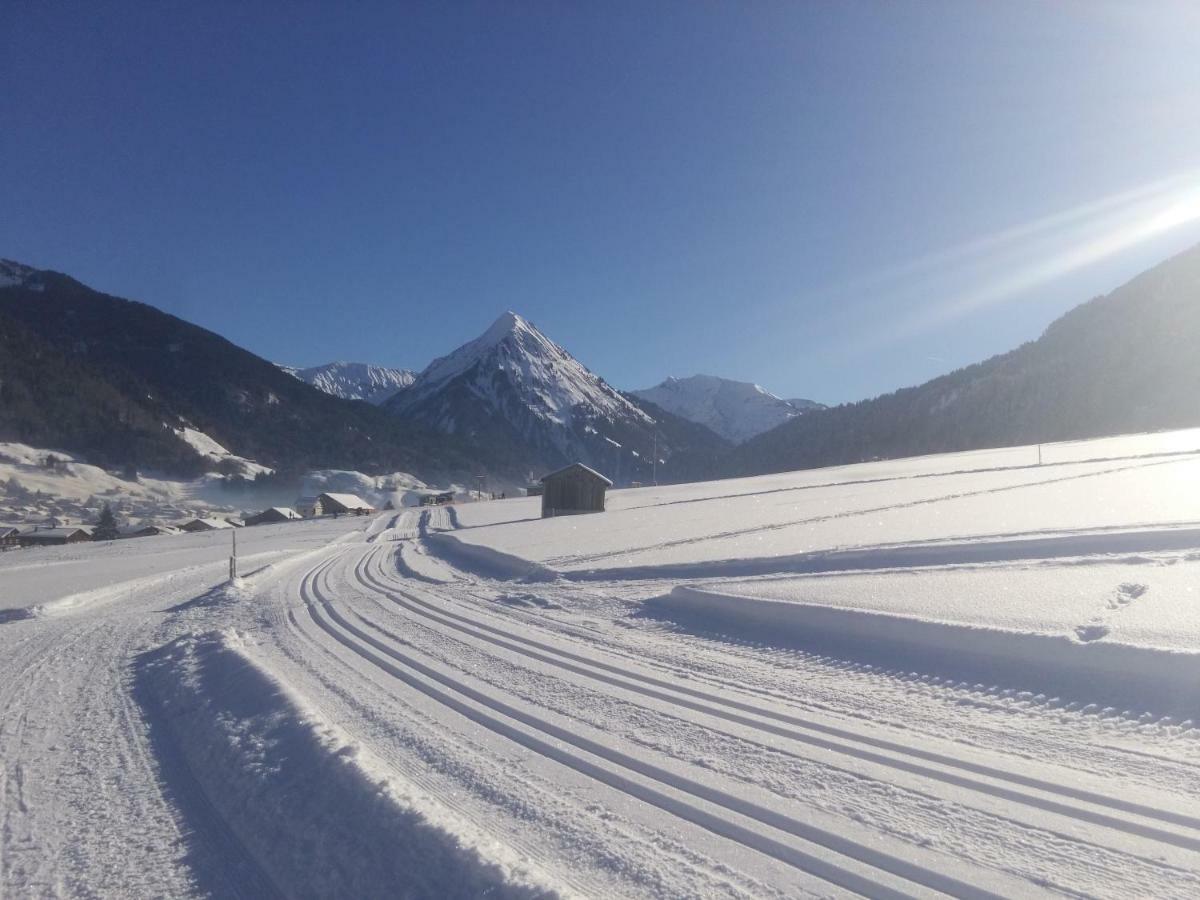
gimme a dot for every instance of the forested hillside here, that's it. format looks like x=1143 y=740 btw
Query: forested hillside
x=111 y=379
x=1125 y=362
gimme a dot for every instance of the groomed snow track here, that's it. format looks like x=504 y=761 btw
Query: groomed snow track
x=375 y=716
x=413 y=632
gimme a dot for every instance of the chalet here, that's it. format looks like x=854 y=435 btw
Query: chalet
x=136 y=531
x=9 y=537
x=345 y=504
x=273 y=515
x=51 y=537
x=572 y=491
x=194 y=525
x=309 y=507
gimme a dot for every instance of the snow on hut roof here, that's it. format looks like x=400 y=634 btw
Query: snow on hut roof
x=46 y=534
x=577 y=467
x=349 y=501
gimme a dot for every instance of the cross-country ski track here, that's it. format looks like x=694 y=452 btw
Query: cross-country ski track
x=367 y=713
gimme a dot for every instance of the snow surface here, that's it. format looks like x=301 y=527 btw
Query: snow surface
x=210 y=449
x=736 y=410
x=963 y=675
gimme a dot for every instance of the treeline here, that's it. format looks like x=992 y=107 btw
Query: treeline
x=49 y=399
x=91 y=353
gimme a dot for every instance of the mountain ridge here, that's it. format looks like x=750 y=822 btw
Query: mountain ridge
x=354 y=380
x=736 y=410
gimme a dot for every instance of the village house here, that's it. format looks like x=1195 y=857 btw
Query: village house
x=309 y=507
x=51 y=537
x=573 y=490
x=344 y=504
x=195 y=525
x=135 y=531
x=9 y=537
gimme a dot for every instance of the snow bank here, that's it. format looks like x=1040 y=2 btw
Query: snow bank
x=415 y=563
x=318 y=813
x=485 y=561
x=1108 y=673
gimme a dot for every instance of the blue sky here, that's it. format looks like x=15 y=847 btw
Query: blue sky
x=834 y=200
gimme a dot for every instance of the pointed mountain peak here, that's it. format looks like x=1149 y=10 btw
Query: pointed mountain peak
x=508 y=322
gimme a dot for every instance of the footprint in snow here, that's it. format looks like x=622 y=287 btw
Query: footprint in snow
x=1092 y=632
x=1126 y=594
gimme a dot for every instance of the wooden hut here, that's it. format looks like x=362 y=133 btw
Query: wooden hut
x=9 y=537
x=572 y=491
x=272 y=515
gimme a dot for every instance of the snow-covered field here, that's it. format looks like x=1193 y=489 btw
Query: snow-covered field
x=967 y=674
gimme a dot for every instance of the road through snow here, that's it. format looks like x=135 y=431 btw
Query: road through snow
x=366 y=715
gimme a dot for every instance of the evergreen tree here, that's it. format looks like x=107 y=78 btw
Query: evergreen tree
x=106 y=528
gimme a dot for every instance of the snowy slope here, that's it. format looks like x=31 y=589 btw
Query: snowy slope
x=736 y=410
x=355 y=381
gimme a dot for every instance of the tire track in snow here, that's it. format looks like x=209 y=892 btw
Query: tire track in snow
x=735 y=818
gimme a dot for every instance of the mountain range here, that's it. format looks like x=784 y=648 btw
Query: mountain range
x=118 y=381
x=514 y=395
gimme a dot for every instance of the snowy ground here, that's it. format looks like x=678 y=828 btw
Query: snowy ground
x=966 y=675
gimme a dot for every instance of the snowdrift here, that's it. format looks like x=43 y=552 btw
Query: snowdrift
x=1144 y=678
x=317 y=813
x=485 y=561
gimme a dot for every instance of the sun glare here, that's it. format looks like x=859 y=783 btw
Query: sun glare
x=1004 y=266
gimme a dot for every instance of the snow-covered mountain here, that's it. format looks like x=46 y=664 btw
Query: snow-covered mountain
x=526 y=403
x=355 y=381
x=736 y=410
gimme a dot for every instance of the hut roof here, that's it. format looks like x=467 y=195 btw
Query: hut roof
x=51 y=534
x=577 y=467
x=347 y=501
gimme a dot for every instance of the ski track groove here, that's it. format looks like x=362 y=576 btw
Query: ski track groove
x=666 y=691
x=334 y=623
x=651 y=841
